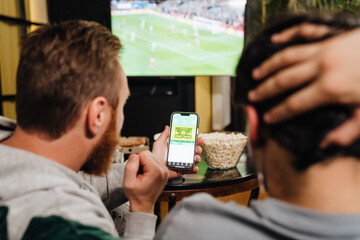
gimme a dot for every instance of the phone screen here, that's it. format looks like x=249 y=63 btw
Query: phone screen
x=182 y=140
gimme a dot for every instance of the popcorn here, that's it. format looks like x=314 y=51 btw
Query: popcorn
x=223 y=150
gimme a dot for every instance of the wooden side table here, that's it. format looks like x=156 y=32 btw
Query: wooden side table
x=218 y=183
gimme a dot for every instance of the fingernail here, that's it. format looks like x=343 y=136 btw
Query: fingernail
x=252 y=95
x=275 y=38
x=267 y=118
x=326 y=142
x=256 y=73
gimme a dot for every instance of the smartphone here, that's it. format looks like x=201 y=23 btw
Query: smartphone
x=182 y=140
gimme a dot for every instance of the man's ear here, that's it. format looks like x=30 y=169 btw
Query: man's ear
x=253 y=119
x=96 y=115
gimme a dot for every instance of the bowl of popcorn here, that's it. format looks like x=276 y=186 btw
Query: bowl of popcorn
x=222 y=150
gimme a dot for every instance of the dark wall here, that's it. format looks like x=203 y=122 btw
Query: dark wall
x=91 y=10
x=152 y=101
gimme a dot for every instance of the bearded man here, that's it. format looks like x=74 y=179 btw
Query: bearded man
x=71 y=91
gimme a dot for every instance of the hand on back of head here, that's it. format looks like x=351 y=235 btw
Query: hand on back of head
x=329 y=67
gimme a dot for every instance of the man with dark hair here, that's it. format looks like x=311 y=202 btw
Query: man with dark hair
x=313 y=191
x=332 y=76
x=71 y=90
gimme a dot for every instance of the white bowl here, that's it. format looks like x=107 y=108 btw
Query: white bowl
x=222 y=150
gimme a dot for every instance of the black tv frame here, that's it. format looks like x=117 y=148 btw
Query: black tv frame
x=90 y=10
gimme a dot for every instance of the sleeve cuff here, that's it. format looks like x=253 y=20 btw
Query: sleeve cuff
x=139 y=226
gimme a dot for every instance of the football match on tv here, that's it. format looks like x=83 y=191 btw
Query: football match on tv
x=179 y=38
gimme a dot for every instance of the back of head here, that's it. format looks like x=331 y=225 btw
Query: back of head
x=300 y=135
x=61 y=68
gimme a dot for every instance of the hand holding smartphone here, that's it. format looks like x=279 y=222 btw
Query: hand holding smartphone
x=182 y=141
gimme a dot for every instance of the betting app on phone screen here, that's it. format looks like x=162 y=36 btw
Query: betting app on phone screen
x=182 y=140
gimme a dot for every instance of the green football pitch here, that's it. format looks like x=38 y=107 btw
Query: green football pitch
x=157 y=46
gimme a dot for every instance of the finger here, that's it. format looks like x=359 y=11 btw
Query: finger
x=132 y=168
x=197 y=159
x=199 y=140
x=192 y=171
x=286 y=35
x=301 y=101
x=148 y=162
x=173 y=174
x=304 y=30
x=198 y=149
x=346 y=133
x=284 y=58
x=153 y=167
x=287 y=79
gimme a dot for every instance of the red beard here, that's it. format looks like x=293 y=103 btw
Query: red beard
x=99 y=160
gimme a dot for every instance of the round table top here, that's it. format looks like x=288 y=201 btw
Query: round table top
x=209 y=178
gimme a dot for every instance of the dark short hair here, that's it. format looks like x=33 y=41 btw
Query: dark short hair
x=300 y=135
x=61 y=68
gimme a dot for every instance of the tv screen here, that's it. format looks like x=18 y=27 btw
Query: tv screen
x=179 y=37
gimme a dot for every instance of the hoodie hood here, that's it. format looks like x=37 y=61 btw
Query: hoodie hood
x=7 y=127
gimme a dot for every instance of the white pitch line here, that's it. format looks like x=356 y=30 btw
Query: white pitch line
x=164 y=46
x=181 y=53
x=220 y=55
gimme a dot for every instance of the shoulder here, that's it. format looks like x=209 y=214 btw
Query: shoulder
x=205 y=204
x=56 y=227
x=66 y=202
x=203 y=217
x=83 y=206
x=33 y=186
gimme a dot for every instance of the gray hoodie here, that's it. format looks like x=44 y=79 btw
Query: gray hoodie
x=33 y=186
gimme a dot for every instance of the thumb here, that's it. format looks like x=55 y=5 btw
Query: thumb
x=164 y=135
x=132 y=168
x=160 y=146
